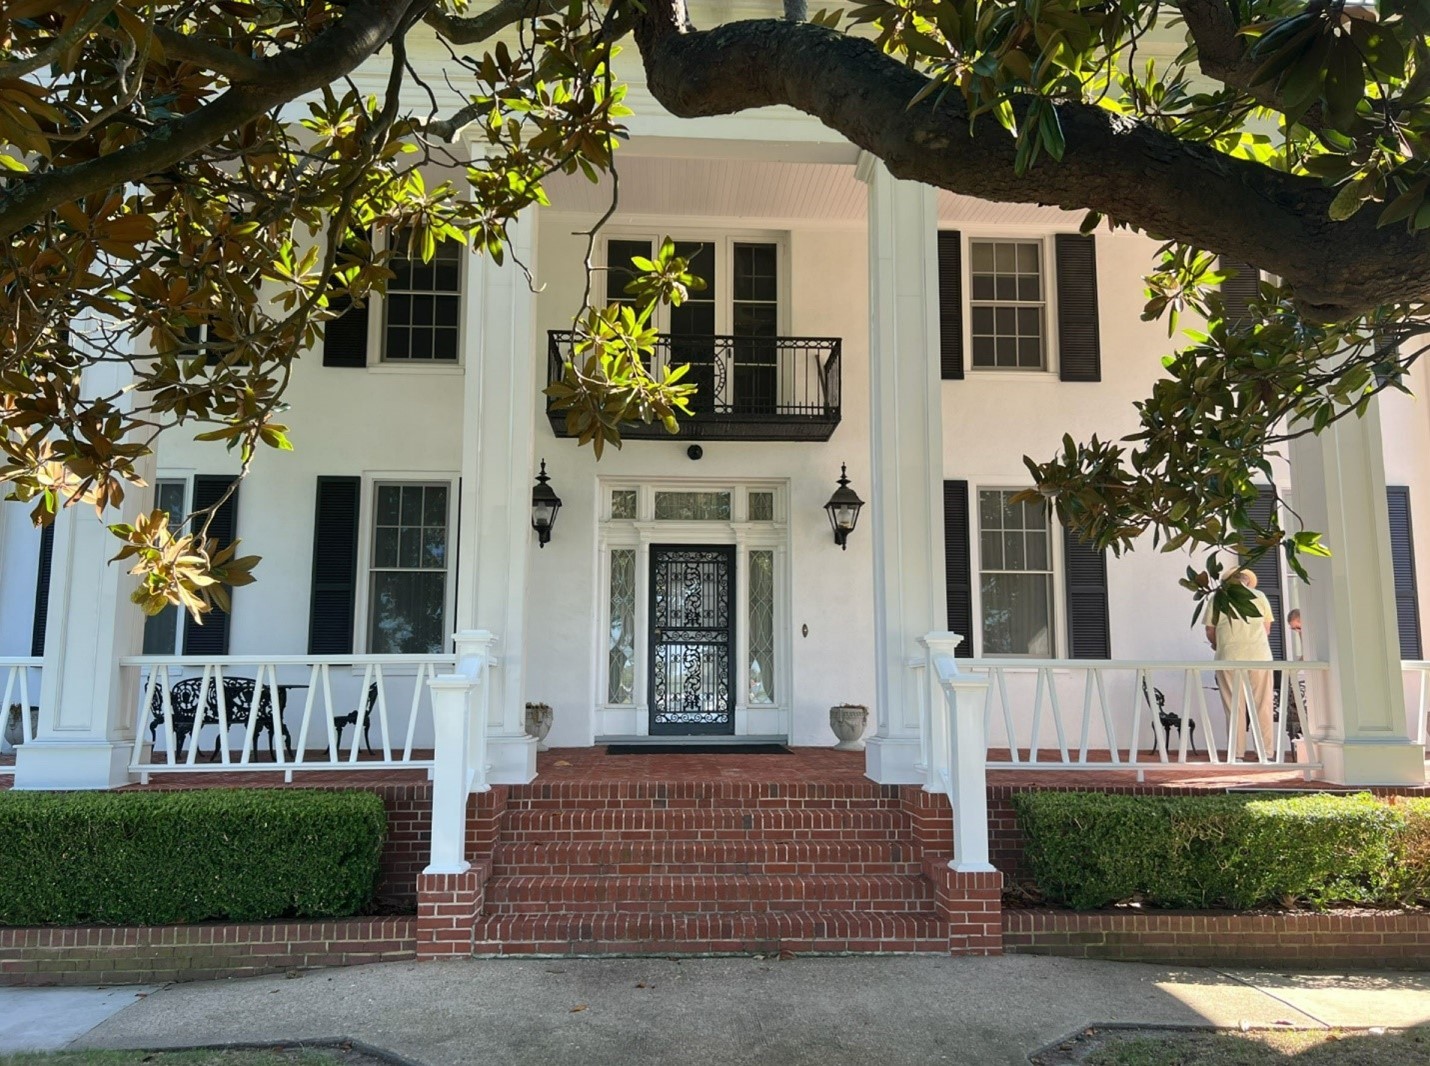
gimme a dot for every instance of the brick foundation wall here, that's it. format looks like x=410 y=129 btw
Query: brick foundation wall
x=1302 y=940
x=120 y=955
x=972 y=904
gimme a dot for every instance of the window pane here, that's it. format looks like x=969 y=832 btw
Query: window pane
x=388 y=499
x=762 y=627
x=623 y=503
x=434 y=506
x=384 y=546
x=619 y=268
x=407 y=612
x=692 y=506
x=620 y=649
x=1016 y=613
x=983 y=351
x=762 y=507
x=982 y=256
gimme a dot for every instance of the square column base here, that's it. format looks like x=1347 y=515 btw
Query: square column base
x=1371 y=762
x=893 y=760
x=512 y=760
x=71 y=765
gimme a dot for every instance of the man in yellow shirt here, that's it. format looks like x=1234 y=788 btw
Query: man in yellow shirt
x=1245 y=640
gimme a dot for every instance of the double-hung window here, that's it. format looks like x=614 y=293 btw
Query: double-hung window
x=1008 y=305
x=409 y=590
x=1015 y=571
x=422 y=311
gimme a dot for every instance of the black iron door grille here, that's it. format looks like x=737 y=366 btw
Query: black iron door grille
x=692 y=637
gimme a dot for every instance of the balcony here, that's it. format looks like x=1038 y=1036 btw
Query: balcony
x=747 y=388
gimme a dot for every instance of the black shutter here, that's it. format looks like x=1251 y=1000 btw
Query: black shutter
x=42 y=588
x=1085 y=573
x=211 y=638
x=345 y=337
x=1238 y=292
x=335 y=537
x=1079 y=343
x=1268 y=570
x=1402 y=555
x=950 y=307
x=958 y=564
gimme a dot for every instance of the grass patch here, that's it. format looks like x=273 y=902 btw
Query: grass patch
x=1261 y=1047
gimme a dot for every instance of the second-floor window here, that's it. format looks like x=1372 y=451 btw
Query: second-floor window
x=1007 y=305
x=423 y=309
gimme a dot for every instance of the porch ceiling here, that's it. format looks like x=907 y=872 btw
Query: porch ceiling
x=763 y=188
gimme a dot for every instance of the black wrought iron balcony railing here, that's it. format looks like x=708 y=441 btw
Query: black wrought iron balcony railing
x=747 y=388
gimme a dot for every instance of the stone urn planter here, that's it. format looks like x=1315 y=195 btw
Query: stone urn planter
x=15 y=730
x=848 y=720
x=538 y=723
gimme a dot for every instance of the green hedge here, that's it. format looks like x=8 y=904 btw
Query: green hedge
x=1090 y=849
x=149 y=858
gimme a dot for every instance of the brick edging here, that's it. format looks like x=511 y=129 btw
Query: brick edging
x=118 y=955
x=1396 y=940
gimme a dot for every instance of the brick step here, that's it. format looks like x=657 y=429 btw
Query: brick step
x=770 y=933
x=701 y=795
x=802 y=857
x=789 y=824
x=704 y=894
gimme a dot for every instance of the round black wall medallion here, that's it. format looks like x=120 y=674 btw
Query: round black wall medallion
x=695 y=451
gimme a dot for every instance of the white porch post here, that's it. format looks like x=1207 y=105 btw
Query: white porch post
x=498 y=435
x=1348 y=609
x=86 y=726
x=907 y=458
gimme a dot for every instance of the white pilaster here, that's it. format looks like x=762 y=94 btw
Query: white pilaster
x=906 y=435
x=498 y=435
x=86 y=726
x=1348 y=609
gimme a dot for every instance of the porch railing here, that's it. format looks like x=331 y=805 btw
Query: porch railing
x=20 y=679
x=281 y=713
x=748 y=388
x=1121 y=714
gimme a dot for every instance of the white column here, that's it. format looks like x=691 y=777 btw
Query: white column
x=906 y=437
x=1348 y=609
x=86 y=726
x=498 y=435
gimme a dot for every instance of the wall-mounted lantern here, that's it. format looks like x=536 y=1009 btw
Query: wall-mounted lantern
x=544 y=505
x=843 y=509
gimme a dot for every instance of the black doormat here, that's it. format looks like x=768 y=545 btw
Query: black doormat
x=696 y=749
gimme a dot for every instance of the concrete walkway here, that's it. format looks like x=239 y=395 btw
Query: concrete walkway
x=46 y=1019
x=735 y=1011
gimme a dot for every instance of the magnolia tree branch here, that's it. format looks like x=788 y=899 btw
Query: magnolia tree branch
x=1224 y=55
x=365 y=27
x=1123 y=168
x=473 y=29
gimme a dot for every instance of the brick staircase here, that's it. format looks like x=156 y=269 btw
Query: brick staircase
x=696 y=867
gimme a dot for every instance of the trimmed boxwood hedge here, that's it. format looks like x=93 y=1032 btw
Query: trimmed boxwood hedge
x=149 y=858
x=1090 y=849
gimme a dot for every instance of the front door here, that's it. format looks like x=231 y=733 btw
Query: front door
x=692 y=640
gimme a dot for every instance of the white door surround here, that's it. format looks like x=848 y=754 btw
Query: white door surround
x=623 y=710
